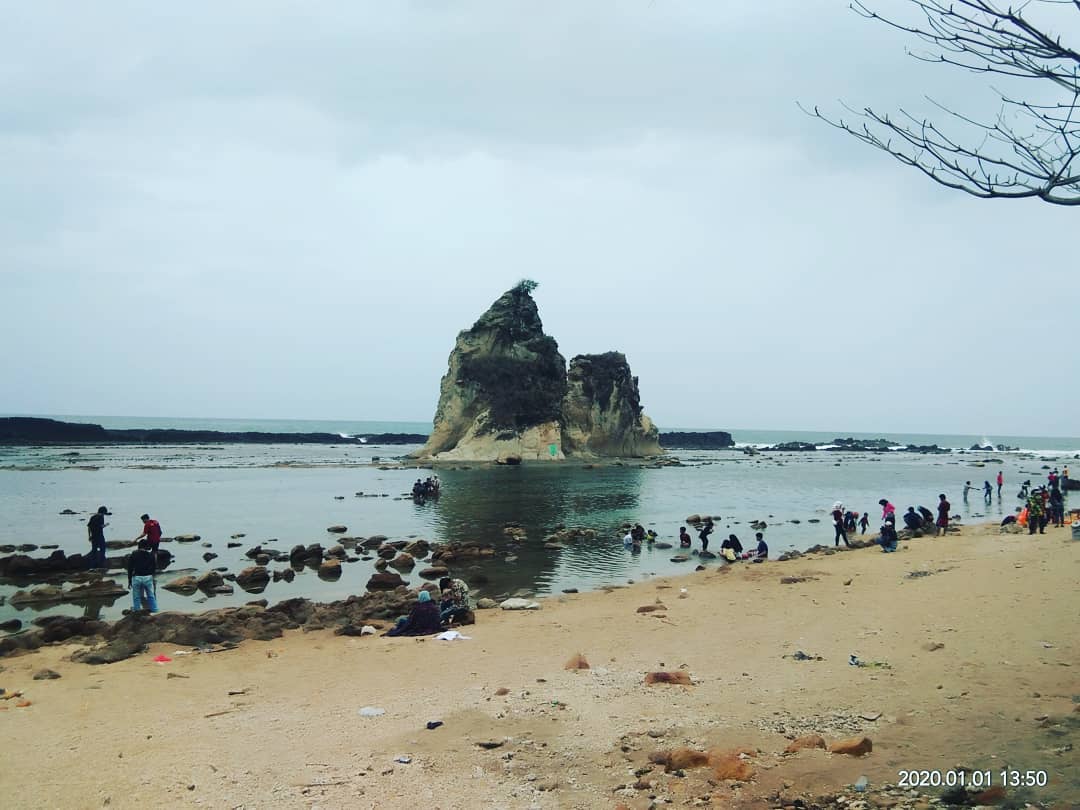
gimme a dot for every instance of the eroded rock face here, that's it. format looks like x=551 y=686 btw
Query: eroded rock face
x=502 y=393
x=602 y=410
x=506 y=396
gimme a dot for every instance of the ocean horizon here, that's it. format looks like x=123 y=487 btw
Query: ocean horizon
x=743 y=437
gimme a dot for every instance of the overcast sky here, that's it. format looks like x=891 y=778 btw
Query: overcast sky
x=266 y=209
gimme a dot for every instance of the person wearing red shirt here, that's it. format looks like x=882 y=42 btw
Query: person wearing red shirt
x=152 y=532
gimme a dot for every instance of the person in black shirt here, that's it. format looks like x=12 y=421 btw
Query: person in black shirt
x=703 y=535
x=95 y=532
x=141 y=568
x=912 y=520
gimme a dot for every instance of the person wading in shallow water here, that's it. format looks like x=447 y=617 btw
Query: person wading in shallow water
x=703 y=535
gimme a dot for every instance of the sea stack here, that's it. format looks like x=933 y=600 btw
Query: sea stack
x=506 y=397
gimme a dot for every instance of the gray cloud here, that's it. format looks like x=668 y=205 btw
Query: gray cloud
x=253 y=211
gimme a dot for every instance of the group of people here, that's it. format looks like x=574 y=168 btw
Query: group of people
x=426 y=617
x=1045 y=505
x=638 y=535
x=142 y=564
x=428 y=488
x=922 y=519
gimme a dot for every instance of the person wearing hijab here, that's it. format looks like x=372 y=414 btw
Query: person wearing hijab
x=423 y=619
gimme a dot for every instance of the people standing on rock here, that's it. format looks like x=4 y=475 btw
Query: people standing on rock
x=967 y=488
x=151 y=532
x=988 y=492
x=703 y=535
x=684 y=538
x=912 y=520
x=141 y=567
x=943 y=509
x=838 y=523
x=95 y=532
x=1000 y=482
x=455 y=599
x=864 y=521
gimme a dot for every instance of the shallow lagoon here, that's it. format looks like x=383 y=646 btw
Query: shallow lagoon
x=290 y=494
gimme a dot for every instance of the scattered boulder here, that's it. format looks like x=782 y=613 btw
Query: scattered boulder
x=337 y=529
x=44 y=593
x=11 y=625
x=337 y=551
x=485 y=603
x=852 y=746
x=187 y=538
x=384 y=581
x=679 y=759
x=418 y=548
x=286 y=574
x=46 y=675
x=331 y=569
x=515 y=603
x=209 y=580
x=435 y=572
x=185 y=585
x=806 y=741
x=679 y=677
x=253 y=579
x=729 y=765
x=98 y=589
x=576 y=662
x=402 y=562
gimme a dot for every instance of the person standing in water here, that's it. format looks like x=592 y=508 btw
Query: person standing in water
x=684 y=538
x=95 y=533
x=967 y=488
x=703 y=535
x=1000 y=482
x=864 y=521
x=988 y=492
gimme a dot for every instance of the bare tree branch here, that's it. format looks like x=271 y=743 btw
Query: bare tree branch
x=1028 y=149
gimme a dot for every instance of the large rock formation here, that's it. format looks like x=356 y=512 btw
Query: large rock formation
x=602 y=409
x=506 y=396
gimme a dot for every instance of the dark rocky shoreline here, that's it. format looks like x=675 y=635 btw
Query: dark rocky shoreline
x=25 y=430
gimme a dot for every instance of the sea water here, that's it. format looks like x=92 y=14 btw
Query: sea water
x=283 y=495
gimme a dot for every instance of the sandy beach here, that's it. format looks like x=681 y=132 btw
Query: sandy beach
x=975 y=634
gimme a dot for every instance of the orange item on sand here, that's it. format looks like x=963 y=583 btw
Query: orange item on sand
x=22 y=704
x=1022 y=517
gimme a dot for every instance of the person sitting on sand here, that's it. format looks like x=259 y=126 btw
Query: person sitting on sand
x=888 y=538
x=731 y=548
x=455 y=599
x=759 y=554
x=927 y=517
x=423 y=619
x=912 y=520
x=684 y=538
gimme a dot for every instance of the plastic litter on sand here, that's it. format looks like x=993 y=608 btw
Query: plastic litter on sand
x=371 y=711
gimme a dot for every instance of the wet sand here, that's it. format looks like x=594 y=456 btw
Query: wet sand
x=1000 y=691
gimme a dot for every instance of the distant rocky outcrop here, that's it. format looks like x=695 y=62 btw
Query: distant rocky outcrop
x=506 y=395
x=24 y=430
x=689 y=440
